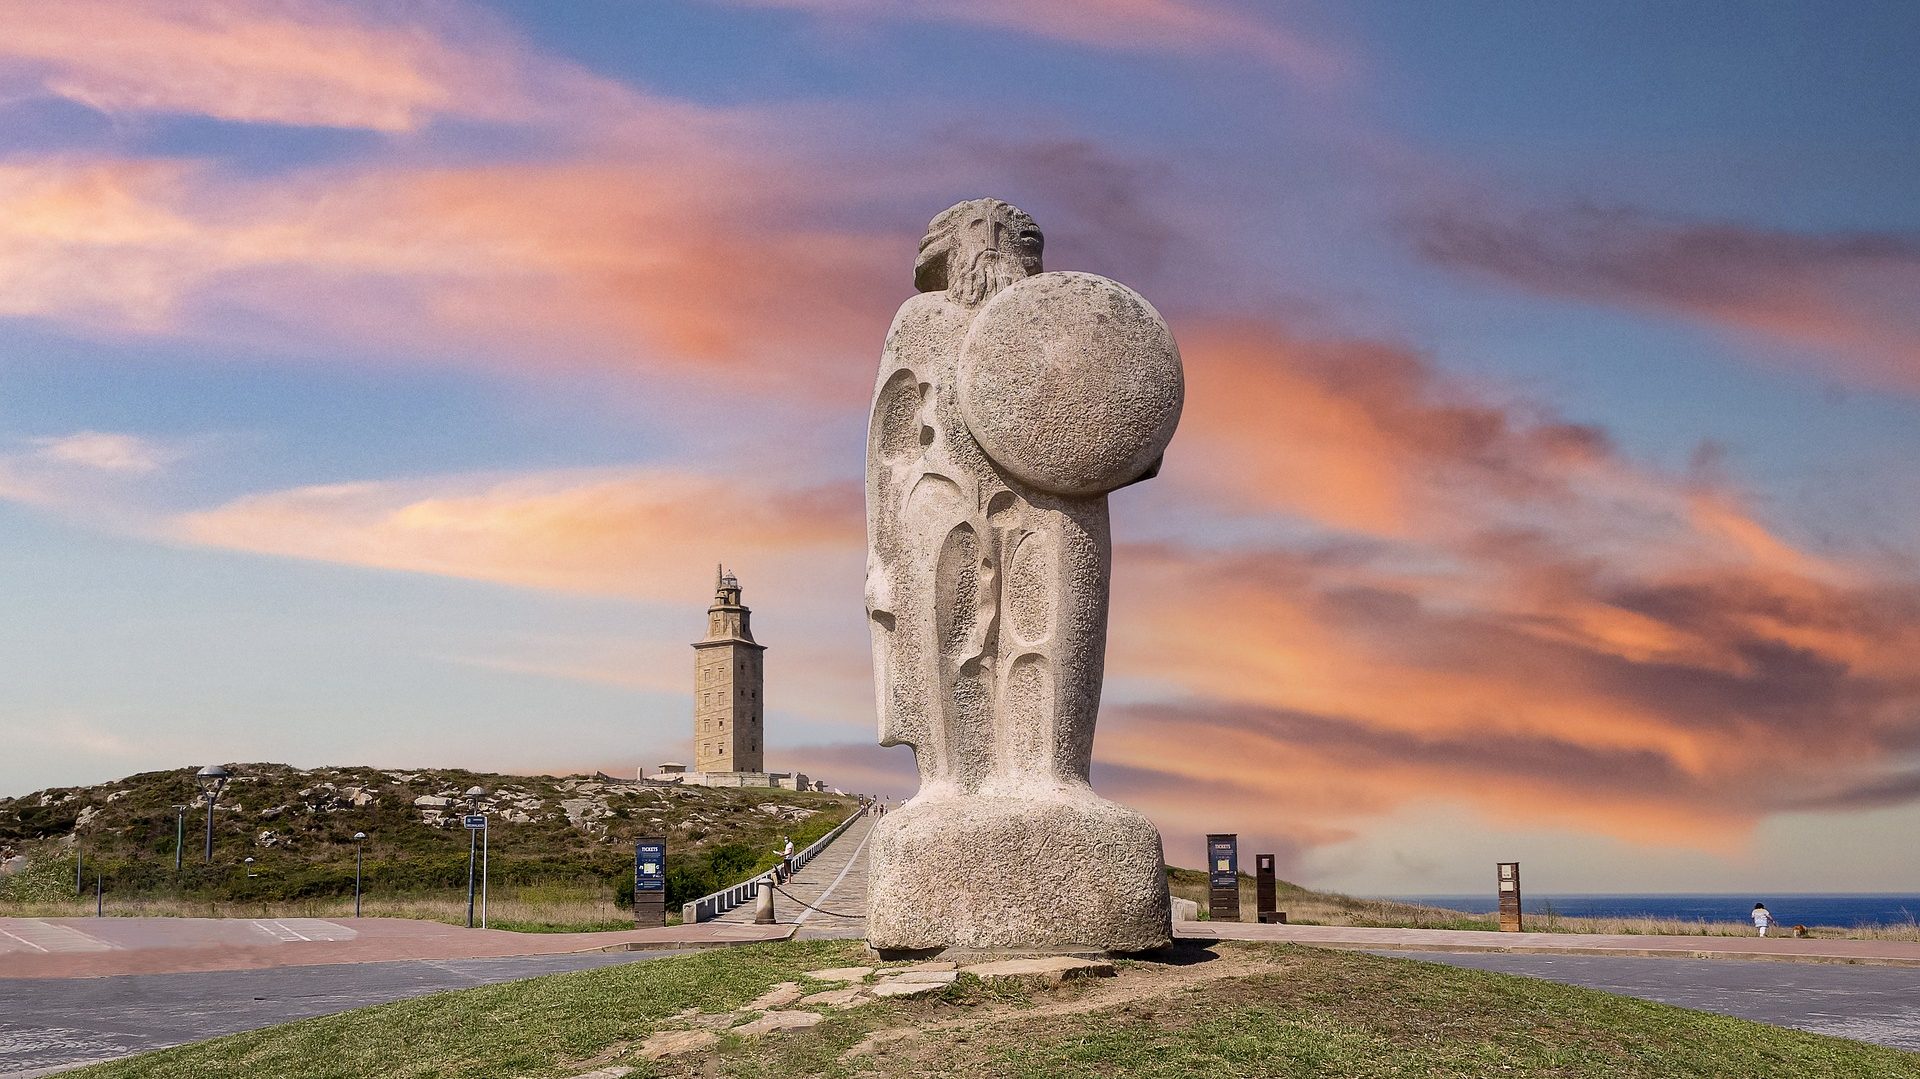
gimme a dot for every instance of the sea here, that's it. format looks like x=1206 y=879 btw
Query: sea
x=1822 y=908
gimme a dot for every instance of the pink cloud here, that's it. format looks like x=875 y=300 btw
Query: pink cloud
x=1839 y=303
x=384 y=67
x=1179 y=26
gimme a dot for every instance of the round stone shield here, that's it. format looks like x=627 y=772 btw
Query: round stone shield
x=1071 y=383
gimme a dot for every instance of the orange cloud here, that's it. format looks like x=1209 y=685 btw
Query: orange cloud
x=1182 y=26
x=300 y=62
x=673 y=258
x=1391 y=587
x=640 y=533
x=1851 y=297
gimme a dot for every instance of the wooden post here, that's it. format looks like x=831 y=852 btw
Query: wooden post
x=1510 y=920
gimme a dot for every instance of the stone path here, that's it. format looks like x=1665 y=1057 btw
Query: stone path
x=1869 y=1004
x=836 y=880
x=104 y=947
x=49 y=1024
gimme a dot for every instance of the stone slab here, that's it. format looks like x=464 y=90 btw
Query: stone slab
x=907 y=989
x=772 y=1021
x=839 y=974
x=1052 y=969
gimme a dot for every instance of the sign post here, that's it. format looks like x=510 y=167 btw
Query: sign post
x=476 y=824
x=1266 y=891
x=1510 y=897
x=650 y=882
x=1223 y=877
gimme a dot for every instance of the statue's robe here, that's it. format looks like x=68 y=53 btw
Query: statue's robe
x=987 y=598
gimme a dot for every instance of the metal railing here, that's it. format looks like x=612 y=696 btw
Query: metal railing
x=708 y=907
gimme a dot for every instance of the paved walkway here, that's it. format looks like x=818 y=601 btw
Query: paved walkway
x=50 y=1024
x=103 y=947
x=836 y=881
x=1869 y=1004
x=1893 y=953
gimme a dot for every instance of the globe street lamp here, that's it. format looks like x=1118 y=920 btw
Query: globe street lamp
x=249 y=861
x=212 y=778
x=359 y=859
x=474 y=794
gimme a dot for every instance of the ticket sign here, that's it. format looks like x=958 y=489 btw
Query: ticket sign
x=650 y=882
x=1224 y=853
x=1223 y=877
x=649 y=866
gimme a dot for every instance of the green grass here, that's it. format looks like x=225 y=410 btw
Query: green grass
x=1243 y=1010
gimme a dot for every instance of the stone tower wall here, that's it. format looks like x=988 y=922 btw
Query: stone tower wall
x=729 y=683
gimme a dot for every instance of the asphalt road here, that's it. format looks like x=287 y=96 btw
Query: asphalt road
x=50 y=1024
x=1871 y=1004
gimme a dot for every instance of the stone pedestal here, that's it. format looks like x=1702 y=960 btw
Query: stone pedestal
x=984 y=873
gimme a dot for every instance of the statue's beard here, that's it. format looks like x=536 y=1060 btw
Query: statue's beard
x=986 y=273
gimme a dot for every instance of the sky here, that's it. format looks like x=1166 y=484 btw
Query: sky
x=380 y=383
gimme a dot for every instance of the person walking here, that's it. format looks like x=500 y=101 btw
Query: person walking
x=1762 y=918
x=786 y=859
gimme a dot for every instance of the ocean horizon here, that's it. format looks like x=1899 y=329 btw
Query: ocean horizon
x=1788 y=908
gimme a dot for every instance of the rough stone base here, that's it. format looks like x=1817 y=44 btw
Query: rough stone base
x=1007 y=875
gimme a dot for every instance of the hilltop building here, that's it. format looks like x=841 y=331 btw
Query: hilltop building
x=729 y=687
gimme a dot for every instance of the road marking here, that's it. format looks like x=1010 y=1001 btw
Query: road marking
x=843 y=874
x=24 y=941
x=278 y=931
x=49 y=937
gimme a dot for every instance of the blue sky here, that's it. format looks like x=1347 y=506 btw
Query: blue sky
x=379 y=384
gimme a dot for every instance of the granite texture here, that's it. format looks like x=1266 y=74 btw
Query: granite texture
x=1009 y=402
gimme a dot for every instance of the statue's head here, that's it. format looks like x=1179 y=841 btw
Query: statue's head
x=976 y=248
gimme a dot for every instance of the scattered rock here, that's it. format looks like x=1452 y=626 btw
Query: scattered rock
x=780 y=995
x=907 y=989
x=929 y=977
x=917 y=967
x=611 y=1071
x=833 y=998
x=840 y=974
x=1185 y=910
x=1052 y=969
x=428 y=801
x=773 y=1021
x=674 y=1042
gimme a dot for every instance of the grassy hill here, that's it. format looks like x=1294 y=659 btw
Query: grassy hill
x=1304 y=906
x=557 y=837
x=1241 y=1010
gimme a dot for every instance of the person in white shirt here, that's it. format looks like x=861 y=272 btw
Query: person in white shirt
x=786 y=859
x=1762 y=918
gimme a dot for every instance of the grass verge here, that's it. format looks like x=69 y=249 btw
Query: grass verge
x=1245 y=1010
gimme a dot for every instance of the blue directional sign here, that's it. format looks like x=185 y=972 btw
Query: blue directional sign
x=475 y=820
x=649 y=866
x=1223 y=861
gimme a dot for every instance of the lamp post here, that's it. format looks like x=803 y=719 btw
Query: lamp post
x=249 y=862
x=179 y=833
x=474 y=794
x=359 y=860
x=212 y=778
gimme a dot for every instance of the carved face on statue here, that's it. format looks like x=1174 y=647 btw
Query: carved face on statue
x=976 y=248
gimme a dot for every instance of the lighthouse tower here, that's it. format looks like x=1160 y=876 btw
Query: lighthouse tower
x=728 y=680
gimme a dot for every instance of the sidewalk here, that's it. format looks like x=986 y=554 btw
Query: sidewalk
x=836 y=881
x=103 y=947
x=1888 y=953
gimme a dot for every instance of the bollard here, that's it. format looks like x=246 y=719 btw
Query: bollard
x=763 y=906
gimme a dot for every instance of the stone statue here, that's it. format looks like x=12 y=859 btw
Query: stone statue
x=1009 y=403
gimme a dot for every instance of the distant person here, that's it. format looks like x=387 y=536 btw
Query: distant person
x=1762 y=918
x=786 y=858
